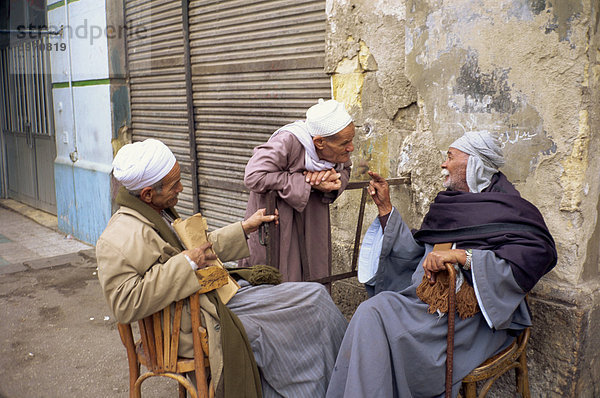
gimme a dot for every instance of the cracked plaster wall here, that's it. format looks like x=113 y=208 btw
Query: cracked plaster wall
x=416 y=74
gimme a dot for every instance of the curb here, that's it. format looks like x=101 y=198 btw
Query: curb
x=80 y=258
x=39 y=216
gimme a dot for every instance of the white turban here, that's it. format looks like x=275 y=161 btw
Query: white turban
x=485 y=158
x=142 y=164
x=327 y=118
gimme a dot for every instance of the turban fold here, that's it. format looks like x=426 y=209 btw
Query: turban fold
x=327 y=118
x=142 y=164
x=485 y=157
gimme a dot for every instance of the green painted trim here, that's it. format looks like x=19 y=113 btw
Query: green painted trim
x=93 y=82
x=82 y=83
x=55 y=5
x=60 y=85
x=71 y=1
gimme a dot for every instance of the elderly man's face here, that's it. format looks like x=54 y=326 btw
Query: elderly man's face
x=455 y=168
x=171 y=186
x=337 y=148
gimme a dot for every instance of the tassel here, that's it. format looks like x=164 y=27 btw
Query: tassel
x=436 y=296
x=466 y=301
x=264 y=275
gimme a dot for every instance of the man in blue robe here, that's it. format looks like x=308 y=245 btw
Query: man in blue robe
x=393 y=346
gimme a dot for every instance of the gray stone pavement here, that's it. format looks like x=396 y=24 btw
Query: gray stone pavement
x=57 y=335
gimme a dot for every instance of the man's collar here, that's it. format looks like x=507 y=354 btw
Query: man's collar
x=124 y=198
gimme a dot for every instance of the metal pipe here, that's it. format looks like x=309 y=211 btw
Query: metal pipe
x=3 y=123
x=47 y=94
x=190 y=103
x=37 y=92
x=359 y=185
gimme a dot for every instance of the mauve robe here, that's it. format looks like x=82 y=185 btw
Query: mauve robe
x=279 y=165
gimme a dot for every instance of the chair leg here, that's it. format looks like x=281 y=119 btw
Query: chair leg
x=522 y=374
x=470 y=390
x=182 y=391
x=134 y=373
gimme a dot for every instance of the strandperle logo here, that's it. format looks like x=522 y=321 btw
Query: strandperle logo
x=84 y=31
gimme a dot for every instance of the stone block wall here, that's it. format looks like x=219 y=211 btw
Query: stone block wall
x=416 y=74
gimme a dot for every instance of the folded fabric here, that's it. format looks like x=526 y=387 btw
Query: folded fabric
x=370 y=250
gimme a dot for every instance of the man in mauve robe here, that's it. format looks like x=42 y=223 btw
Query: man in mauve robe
x=393 y=347
x=307 y=163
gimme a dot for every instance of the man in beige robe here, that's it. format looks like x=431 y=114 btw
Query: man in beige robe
x=143 y=268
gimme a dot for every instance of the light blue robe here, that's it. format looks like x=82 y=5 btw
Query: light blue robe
x=394 y=348
x=295 y=331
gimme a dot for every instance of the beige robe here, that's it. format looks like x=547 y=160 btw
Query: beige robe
x=140 y=273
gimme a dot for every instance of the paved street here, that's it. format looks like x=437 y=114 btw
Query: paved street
x=57 y=336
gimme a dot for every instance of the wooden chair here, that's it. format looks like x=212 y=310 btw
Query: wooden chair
x=159 y=342
x=513 y=356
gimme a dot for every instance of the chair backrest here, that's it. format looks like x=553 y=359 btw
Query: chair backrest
x=159 y=332
x=160 y=338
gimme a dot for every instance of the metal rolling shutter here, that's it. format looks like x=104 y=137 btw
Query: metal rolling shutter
x=256 y=65
x=156 y=61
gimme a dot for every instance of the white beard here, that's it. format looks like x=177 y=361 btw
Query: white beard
x=445 y=173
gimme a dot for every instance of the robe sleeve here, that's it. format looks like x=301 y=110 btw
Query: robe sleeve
x=132 y=294
x=229 y=242
x=400 y=255
x=141 y=274
x=498 y=294
x=269 y=169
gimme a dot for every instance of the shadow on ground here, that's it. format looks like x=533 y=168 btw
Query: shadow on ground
x=59 y=338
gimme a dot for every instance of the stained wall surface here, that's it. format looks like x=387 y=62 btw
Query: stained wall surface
x=91 y=103
x=417 y=74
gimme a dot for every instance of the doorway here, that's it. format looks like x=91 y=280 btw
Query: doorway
x=27 y=124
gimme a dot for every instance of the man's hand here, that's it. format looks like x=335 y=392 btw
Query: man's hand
x=325 y=180
x=200 y=256
x=380 y=193
x=253 y=222
x=316 y=177
x=329 y=186
x=436 y=261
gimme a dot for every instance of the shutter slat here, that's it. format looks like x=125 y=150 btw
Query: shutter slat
x=155 y=57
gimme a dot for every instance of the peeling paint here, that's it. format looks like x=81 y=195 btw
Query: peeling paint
x=404 y=158
x=347 y=88
x=483 y=92
x=366 y=60
x=374 y=155
x=391 y=7
x=522 y=69
x=575 y=166
x=348 y=79
x=564 y=13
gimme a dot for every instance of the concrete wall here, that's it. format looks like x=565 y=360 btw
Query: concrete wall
x=91 y=103
x=416 y=74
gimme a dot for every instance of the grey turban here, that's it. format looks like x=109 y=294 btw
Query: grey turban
x=485 y=158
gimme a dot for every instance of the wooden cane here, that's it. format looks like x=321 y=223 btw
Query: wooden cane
x=451 y=314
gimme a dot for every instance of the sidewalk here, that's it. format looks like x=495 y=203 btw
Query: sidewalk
x=57 y=335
